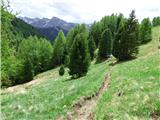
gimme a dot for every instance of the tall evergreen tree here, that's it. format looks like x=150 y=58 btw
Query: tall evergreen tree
x=117 y=38
x=91 y=46
x=105 y=45
x=109 y=22
x=95 y=32
x=156 y=21
x=145 y=31
x=79 y=56
x=126 y=42
x=72 y=34
x=59 y=49
x=69 y=39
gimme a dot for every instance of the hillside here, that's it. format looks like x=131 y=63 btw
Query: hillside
x=13 y=32
x=14 y=29
x=19 y=27
x=16 y=26
x=132 y=91
x=49 y=27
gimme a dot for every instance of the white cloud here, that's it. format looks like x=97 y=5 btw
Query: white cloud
x=85 y=10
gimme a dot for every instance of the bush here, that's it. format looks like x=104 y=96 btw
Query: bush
x=61 y=71
x=11 y=71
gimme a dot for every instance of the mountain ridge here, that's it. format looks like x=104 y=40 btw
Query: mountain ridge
x=46 y=22
x=50 y=27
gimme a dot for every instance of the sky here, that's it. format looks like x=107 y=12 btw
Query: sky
x=84 y=11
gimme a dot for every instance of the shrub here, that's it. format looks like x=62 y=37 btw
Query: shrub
x=61 y=71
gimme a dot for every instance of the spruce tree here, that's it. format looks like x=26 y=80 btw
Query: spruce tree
x=91 y=46
x=59 y=49
x=105 y=45
x=145 y=31
x=117 y=38
x=72 y=34
x=126 y=42
x=156 y=21
x=79 y=56
x=69 y=40
x=95 y=32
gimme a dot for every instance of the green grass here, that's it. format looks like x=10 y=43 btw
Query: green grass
x=52 y=97
x=138 y=83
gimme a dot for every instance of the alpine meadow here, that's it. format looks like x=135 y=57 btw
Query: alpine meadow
x=80 y=60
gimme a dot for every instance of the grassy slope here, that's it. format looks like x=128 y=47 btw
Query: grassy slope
x=137 y=80
x=52 y=97
x=139 y=83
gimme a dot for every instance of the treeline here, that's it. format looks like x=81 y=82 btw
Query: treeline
x=113 y=35
x=25 y=55
x=24 y=52
x=156 y=21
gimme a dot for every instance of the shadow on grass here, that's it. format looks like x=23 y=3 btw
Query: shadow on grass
x=102 y=60
x=122 y=61
x=68 y=79
x=72 y=78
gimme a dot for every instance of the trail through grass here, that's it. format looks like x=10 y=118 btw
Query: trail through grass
x=52 y=97
x=134 y=91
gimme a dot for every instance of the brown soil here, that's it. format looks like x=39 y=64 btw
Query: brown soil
x=155 y=115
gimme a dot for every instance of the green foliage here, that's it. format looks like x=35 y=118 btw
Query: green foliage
x=13 y=31
x=117 y=40
x=95 y=32
x=109 y=22
x=79 y=56
x=28 y=72
x=72 y=34
x=61 y=71
x=145 y=31
x=11 y=70
x=126 y=41
x=37 y=51
x=77 y=51
x=92 y=47
x=105 y=46
x=156 y=21
x=69 y=40
x=59 y=49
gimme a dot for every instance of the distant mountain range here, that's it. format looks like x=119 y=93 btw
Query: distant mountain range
x=49 y=27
